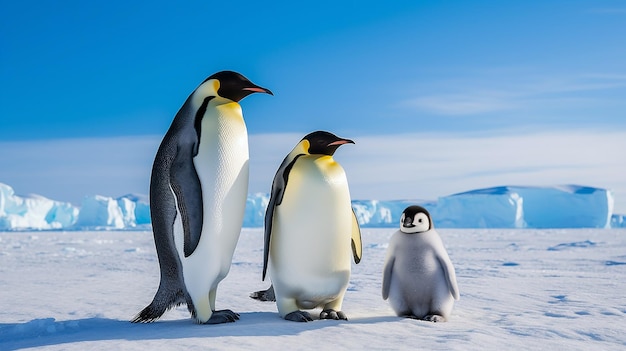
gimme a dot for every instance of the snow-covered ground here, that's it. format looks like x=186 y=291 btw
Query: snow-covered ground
x=520 y=289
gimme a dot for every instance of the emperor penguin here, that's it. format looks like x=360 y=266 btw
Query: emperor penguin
x=418 y=276
x=311 y=230
x=198 y=191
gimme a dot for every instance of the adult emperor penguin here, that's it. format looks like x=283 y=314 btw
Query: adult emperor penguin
x=311 y=230
x=198 y=192
x=418 y=276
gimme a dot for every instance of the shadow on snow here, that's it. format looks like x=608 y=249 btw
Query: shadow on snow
x=48 y=331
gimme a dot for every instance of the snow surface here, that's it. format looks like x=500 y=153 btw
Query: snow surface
x=520 y=289
x=569 y=206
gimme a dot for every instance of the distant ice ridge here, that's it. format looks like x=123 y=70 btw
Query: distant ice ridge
x=34 y=212
x=570 y=206
x=255 y=210
x=126 y=212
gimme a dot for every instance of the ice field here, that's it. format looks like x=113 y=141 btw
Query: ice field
x=520 y=289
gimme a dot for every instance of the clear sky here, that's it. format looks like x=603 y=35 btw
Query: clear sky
x=89 y=88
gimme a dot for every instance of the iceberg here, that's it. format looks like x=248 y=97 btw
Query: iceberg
x=568 y=206
x=126 y=212
x=618 y=221
x=33 y=212
x=381 y=214
x=255 y=210
x=483 y=208
x=136 y=209
x=369 y=213
x=100 y=212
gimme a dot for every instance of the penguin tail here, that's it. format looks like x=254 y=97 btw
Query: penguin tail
x=148 y=315
x=159 y=305
x=264 y=295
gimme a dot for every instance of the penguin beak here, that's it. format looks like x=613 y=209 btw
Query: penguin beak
x=341 y=142
x=408 y=222
x=257 y=89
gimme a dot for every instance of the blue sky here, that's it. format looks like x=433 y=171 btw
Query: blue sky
x=114 y=73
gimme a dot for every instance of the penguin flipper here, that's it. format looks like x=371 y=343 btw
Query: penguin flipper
x=186 y=186
x=269 y=217
x=448 y=268
x=357 y=245
x=279 y=184
x=387 y=276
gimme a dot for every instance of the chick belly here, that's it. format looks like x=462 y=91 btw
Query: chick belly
x=418 y=288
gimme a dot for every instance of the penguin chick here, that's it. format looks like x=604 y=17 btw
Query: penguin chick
x=418 y=277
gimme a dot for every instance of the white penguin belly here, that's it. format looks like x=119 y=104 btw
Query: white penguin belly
x=222 y=167
x=310 y=245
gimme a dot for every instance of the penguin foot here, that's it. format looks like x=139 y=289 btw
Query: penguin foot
x=264 y=295
x=299 y=316
x=223 y=316
x=332 y=314
x=434 y=318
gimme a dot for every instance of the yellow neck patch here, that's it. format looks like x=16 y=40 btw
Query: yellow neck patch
x=306 y=145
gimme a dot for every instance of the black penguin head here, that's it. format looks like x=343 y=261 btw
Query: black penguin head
x=235 y=86
x=415 y=219
x=324 y=143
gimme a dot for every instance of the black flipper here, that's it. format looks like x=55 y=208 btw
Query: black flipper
x=387 y=276
x=186 y=186
x=269 y=217
x=357 y=243
x=276 y=198
x=171 y=291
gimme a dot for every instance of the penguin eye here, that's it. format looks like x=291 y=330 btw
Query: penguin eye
x=420 y=220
